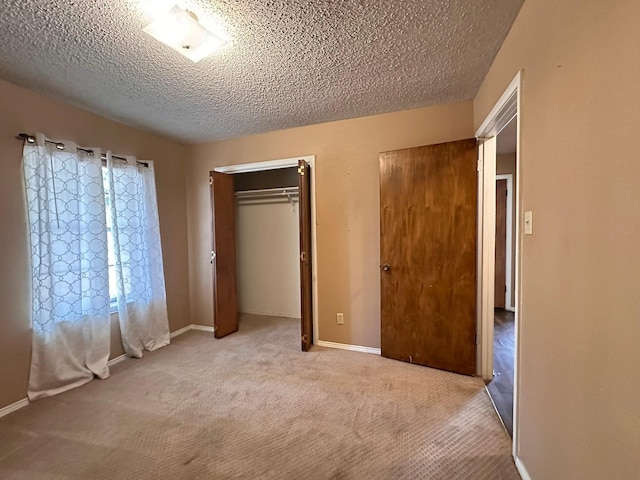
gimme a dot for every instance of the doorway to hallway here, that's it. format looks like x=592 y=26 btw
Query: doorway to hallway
x=501 y=387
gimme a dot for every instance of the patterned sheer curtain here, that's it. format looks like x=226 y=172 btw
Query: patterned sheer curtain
x=139 y=274
x=70 y=284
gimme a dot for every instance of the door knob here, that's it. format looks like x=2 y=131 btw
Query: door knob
x=386 y=267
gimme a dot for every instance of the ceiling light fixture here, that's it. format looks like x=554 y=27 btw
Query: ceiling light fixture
x=181 y=30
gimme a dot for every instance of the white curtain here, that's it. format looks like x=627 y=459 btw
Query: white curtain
x=135 y=230
x=70 y=284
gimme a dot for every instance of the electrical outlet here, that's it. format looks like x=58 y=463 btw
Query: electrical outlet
x=340 y=318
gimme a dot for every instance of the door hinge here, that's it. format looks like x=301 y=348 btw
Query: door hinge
x=213 y=256
x=479 y=165
x=210 y=180
x=303 y=256
x=505 y=289
x=477 y=340
x=301 y=170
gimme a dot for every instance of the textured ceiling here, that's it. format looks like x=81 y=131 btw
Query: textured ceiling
x=288 y=62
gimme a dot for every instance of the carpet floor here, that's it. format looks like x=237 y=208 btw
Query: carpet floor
x=253 y=406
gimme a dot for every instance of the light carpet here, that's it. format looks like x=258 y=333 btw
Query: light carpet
x=253 y=406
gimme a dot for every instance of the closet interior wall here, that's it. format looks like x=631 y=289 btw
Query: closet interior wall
x=267 y=242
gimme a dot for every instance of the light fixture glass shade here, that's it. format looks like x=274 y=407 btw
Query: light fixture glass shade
x=181 y=30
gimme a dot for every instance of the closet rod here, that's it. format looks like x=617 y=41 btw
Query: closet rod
x=268 y=193
x=61 y=146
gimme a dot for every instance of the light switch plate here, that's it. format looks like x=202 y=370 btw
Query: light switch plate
x=528 y=223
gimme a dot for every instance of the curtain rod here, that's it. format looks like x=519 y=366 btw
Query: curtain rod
x=60 y=146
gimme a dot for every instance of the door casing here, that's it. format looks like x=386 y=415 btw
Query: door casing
x=500 y=291
x=285 y=163
x=510 y=224
x=508 y=107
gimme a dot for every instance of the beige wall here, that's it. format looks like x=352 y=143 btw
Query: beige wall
x=506 y=164
x=25 y=111
x=268 y=257
x=579 y=411
x=347 y=195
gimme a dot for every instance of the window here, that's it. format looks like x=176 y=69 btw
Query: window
x=92 y=249
x=113 y=288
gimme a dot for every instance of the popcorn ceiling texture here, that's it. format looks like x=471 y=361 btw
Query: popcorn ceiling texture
x=288 y=63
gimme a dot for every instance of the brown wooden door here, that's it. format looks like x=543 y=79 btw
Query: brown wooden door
x=304 y=195
x=501 y=244
x=428 y=215
x=223 y=255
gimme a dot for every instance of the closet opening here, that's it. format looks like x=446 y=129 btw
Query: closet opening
x=263 y=248
x=268 y=245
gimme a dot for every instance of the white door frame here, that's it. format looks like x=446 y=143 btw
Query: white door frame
x=486 y=254
x=508 y=106
x=285 y=163
x=509 y=244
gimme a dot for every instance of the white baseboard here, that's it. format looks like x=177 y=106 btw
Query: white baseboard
x=13 y=407
x=171 y=335
x=193 y=326
x=280 y=315
x=510 y=309
x=202 y=328
x=180 y=332
x=344 y=346
x=521 y=469
x=119 y=359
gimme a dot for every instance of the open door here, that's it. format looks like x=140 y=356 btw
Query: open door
x=223 y=255
x=428 y=215
x=304 y=195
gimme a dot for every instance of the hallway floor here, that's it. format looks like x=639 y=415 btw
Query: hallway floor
x=501 y=387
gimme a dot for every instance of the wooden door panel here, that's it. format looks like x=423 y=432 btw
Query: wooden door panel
x=223 y=229
x=501 y=244
x=306 y=300
x=428 y=215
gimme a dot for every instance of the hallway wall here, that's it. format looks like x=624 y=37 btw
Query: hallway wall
x=579 y=413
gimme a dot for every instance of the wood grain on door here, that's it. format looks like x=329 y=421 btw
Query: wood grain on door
x=428 y=215
x=223 y=255
x=304 y=195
